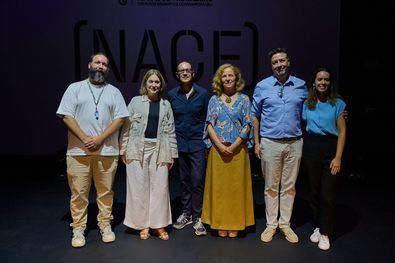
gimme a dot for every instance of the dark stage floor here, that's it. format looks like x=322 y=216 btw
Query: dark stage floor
x=35 y=220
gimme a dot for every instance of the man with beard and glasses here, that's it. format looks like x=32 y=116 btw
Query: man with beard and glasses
x=93 y=112
x=189 y=103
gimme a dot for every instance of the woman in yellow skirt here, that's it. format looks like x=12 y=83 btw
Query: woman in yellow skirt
x=228 y=200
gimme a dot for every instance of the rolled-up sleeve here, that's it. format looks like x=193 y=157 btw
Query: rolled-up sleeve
x=256 y=107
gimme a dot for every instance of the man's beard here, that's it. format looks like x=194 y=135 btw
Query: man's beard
x=97 y=76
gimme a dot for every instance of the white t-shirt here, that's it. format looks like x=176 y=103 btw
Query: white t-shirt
x=78 y=102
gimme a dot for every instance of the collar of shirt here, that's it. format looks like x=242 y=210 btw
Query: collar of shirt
x=192 y=91
x=145 y=98
x=184 y=96
x=289 y=81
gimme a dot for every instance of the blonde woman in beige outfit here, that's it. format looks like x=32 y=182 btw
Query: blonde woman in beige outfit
x=148 y=148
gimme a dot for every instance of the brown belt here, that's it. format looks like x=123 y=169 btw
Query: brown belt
x=287 y=139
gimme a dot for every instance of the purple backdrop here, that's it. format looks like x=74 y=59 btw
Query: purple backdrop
x=46 y=45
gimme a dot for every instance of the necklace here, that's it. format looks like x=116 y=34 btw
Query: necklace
x=228 y=99
x=94 y=99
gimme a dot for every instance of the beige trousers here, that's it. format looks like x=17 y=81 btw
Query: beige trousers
x=80 y=172
x=280 y=166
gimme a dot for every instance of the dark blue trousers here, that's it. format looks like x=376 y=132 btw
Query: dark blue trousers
x=192 y=169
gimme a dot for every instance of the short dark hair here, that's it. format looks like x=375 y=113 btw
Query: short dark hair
x=97 y=54
x=276 y=51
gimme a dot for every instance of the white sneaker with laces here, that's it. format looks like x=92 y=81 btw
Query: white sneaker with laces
x=315 y=237
x=324 y=244
x=78 y=239
x=107 y=235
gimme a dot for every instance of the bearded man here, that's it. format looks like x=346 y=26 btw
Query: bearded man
x=93 y=112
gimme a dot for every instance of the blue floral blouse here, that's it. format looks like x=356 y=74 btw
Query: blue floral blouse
x=229 y=122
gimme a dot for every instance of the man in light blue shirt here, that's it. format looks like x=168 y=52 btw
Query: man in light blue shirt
x=276 y=110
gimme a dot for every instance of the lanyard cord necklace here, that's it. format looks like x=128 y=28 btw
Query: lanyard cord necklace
x=94 y=99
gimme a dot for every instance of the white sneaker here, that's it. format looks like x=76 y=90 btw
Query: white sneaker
x=107 y=234
x=78 y=239
x=324 y=244
x=315 y=237
x=200 y=230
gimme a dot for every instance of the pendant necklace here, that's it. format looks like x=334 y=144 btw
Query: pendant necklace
x=228 y=99
x=94 y=99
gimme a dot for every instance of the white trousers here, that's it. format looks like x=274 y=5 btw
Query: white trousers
x=147 y=193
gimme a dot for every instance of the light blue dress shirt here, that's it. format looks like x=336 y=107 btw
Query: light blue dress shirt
x=279 y=107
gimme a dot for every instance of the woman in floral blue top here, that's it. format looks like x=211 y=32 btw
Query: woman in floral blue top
x=228 y=201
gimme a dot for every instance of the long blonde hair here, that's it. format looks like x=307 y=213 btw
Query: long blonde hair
x=217 y=82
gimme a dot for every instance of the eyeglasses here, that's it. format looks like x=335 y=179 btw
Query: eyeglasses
x=281 y=91
x=187 y=71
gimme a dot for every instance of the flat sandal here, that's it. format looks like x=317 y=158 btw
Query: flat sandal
x=144 y=234
x=233 y=233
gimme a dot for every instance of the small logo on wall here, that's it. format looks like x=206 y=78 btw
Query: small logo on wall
x=191 y=3
x=125 y=2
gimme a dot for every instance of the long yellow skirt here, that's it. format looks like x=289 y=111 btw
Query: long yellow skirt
x=228 y=201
